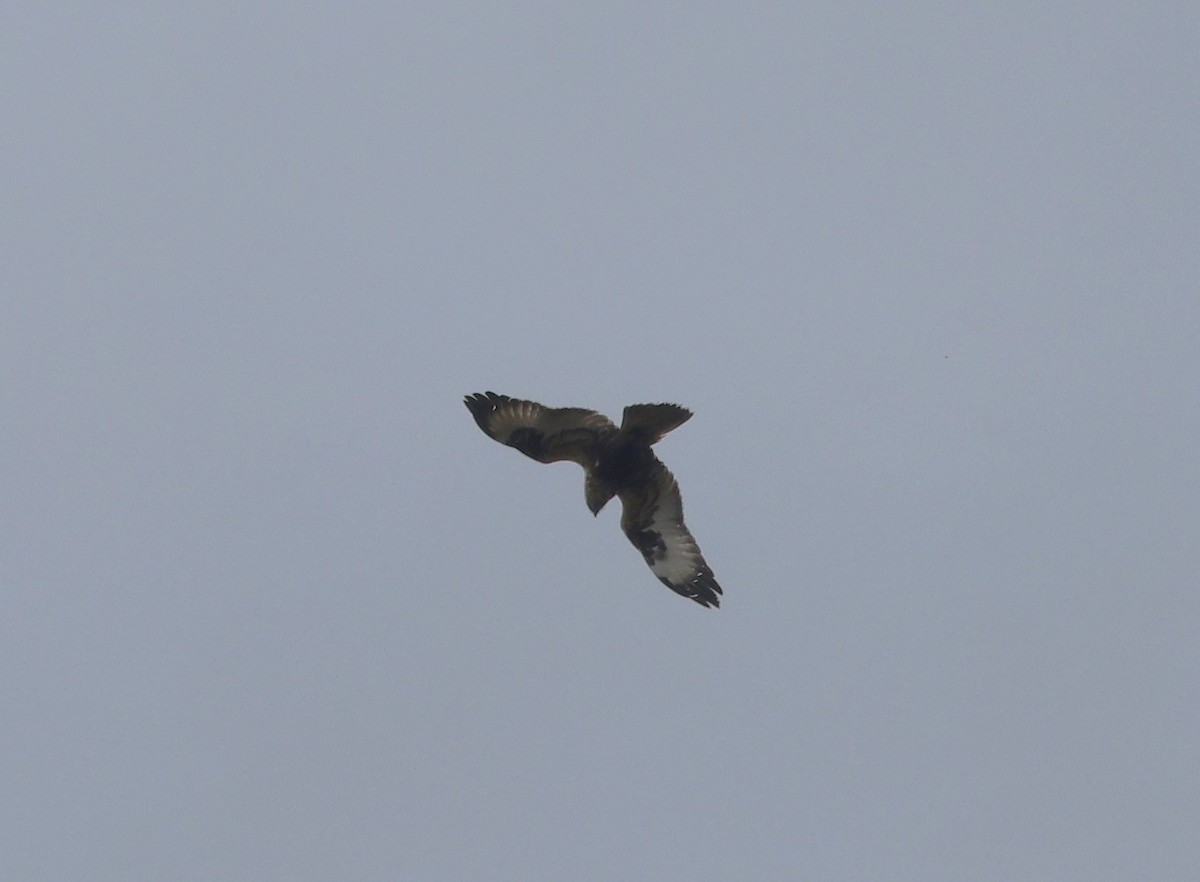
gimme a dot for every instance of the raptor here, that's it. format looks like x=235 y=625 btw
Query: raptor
x=617 y=461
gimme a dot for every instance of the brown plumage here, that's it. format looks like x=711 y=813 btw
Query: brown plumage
x=616 y=462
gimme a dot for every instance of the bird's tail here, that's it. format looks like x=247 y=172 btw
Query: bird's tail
x=649 y=422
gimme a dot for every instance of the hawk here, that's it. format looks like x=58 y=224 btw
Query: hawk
x=616 y=462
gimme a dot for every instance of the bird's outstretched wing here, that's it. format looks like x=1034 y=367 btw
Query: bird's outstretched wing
x=652 y=518
x=647 y=423
x=547 y=434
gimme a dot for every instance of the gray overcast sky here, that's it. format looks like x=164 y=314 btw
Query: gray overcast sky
x=275 y=609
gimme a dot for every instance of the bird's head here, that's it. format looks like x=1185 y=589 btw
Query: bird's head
x=597 y=494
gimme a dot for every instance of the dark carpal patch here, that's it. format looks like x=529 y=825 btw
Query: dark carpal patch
x=528 y=441
x=650 y=544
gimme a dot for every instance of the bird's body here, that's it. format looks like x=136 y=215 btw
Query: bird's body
x=616 y=462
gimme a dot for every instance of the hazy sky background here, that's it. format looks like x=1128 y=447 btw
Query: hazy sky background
x=275 y=609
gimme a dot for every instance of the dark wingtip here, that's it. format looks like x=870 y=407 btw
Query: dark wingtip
x=703 y=589
x=482 y=405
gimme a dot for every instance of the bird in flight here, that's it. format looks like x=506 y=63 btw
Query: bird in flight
x=616 y=462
